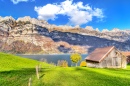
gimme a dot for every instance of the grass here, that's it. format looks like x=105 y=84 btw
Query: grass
x=59 y=76
x=82 y=76
x=16 y=71
x=10 y=62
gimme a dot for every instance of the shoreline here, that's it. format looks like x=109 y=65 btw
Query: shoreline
x=49 y=54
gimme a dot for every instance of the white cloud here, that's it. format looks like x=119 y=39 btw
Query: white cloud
x=47 y=12
x=17 y=1
x=77 y=12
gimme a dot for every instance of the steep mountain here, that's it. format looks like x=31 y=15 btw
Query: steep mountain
x=31 y=36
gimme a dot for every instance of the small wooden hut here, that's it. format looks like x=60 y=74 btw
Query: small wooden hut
x=127 y=54
x=107 y=57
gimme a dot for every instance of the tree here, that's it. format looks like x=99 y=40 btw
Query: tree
x=75 y=58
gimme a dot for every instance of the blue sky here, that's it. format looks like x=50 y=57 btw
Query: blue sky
x=102 y=14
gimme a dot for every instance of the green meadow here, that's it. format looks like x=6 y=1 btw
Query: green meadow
x=16 y=71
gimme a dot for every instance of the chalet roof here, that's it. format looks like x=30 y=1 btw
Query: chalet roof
x=99 y=53
x=126 y=53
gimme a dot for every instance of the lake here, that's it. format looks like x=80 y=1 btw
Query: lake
x=54 y=58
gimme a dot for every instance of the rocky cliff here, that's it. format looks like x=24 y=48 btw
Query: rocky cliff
x=31 y=36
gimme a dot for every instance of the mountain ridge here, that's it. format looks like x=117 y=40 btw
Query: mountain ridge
x=30 y=35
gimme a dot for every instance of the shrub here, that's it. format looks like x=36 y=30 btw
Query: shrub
x=52 y=63
x=62 y=63
x=43 y=60
x=83 y=64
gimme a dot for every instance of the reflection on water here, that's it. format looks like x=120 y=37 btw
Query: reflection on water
x=53 y=58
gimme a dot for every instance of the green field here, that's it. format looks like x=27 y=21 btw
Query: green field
x=15 y=71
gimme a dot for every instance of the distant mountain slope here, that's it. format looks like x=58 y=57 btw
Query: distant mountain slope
x=32 y=36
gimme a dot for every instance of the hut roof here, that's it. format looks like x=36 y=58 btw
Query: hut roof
x=99 y=54
x=126 y=53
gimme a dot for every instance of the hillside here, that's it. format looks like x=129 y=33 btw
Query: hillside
x=82 y=76
x=10 y=62
x=31 y=36
x=16 y=71
x=18 y=74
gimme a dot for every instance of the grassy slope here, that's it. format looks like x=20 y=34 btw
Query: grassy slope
x=86 y=77
x=72 y=76
x=11 y=62
x=15 y=71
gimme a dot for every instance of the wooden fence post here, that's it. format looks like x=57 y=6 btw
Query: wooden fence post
x=29 y=83
x=37 y=72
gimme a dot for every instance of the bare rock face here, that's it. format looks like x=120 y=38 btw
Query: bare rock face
x=8 y=18
x=28 y=19
x=28 y=36
x=89 y=28
x=105 y=30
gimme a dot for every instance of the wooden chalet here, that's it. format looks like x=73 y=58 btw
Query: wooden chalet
x=107 y=57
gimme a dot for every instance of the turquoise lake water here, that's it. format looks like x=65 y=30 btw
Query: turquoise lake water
x=54 y=58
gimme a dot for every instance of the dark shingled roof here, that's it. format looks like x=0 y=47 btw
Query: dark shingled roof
x=99 y=53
